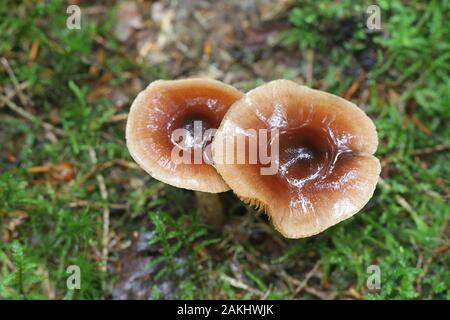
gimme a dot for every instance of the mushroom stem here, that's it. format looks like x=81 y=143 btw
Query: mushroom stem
x=210 y=208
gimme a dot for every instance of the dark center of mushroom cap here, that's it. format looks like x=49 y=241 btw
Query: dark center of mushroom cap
x=308 y=156
x=195 y=110
x=304 y=153
x=194 y=122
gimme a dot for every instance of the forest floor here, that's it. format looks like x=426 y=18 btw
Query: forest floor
x=70 y=194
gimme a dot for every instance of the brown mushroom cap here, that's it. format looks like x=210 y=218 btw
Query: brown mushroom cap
x=326 y=170
x=168 y=105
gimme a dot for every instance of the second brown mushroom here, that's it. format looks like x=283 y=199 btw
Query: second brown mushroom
x=326 y=171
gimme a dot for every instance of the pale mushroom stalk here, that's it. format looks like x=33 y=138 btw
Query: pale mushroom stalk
x=210 y=208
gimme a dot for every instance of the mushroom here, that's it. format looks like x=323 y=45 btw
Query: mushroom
x=321 y=147
x=193 y=106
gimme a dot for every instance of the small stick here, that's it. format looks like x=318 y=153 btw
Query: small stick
x=354 y=86
x=104 y=195
x=87 y=203
x=400 y=200
x=320 y=294
x=437 y=148
x=118 y=117
x=309 y=66
x=10 y=93
x=23 y=99
x=99 y=167
x=308 y=276
x=25 y=114
x=240 y=285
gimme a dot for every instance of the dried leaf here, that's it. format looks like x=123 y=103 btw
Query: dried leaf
x=64 y=171
x=33 y=52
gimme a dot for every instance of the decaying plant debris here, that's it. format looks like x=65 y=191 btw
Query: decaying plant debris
x=71 y=195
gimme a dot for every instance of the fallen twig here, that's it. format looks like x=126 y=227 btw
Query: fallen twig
x=354 y=86
x=240 y=285
x=428 y=150
x=320 y=294
x=308 y=276
x=104 y=195
x=23 y=99
x=418 y=152
x=87 y=203
x=25 y=114
x=10 y=93
x=118 y=117
x=400 y=200
x=309 y=67
x=108 y=164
